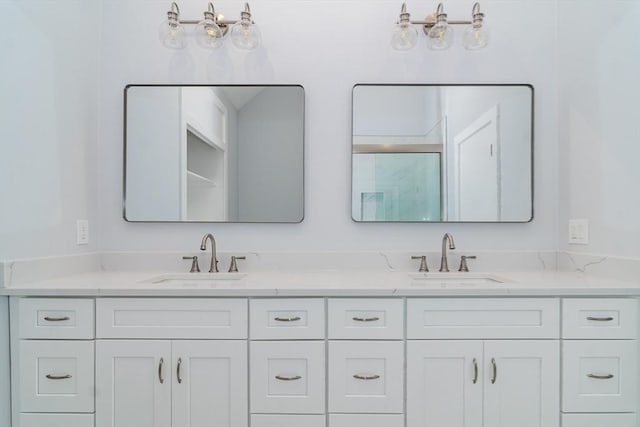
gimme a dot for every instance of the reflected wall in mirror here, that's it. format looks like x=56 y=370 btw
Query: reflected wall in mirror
x=214 y=153
x=442 y=153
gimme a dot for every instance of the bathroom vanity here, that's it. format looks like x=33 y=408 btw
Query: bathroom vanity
x=394 y=349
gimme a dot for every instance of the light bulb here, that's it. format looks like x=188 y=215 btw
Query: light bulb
x=441 y=34
x=404 y=36
x=245 y=34
x=208 y=33
x=171 y=33
x=476 y=35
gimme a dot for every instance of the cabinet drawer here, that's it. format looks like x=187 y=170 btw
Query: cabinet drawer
x=366 y=319
x=263 y=420
x=53 y=318
x=607 y=318
x=366 y=377
x=493 y=318
x=56 y=420
x=599 y=376
x=599 y=420
x=287 y=377
x=377 y=420
x=171 y=318
x=56 y=376
x=298 y=318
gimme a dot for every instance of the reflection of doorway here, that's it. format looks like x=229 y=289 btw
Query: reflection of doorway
x=477 y=169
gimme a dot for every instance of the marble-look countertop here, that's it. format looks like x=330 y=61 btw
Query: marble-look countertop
x=340 y=283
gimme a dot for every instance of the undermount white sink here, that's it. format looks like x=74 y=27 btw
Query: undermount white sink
x=189 y=279
x=457 y=278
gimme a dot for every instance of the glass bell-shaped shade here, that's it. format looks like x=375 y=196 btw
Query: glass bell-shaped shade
x=404 y=36
x=441 y=34
x=208 y=33
x=245 y=34
x=171 y=33
x=476 y=36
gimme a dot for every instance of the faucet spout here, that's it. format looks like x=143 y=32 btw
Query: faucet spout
x=214 y=256
x=444 y=265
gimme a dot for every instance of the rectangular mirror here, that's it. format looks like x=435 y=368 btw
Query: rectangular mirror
x=225 y=153
x=442 y=153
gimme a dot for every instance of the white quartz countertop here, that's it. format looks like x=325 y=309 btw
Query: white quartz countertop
x=326 y=283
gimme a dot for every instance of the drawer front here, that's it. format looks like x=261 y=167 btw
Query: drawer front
x=56 y=376
x=353 y=319
x=171 y=318
x=366 y=377
x=599 y=420
x=287 y=377
x=276 y=319
x=52 y=318
x=359 y=420
x=494 y=318
x=56 y=420
x=263 y=420
x=602 y=318
x=599 y=376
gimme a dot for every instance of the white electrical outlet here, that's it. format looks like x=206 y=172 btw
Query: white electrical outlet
x=82 y=232
x=578 y=231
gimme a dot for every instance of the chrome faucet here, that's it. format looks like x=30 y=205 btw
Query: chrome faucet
x=214 y=257
x=444 y=265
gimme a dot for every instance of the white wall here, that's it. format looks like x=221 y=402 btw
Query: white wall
x=328 y=46
x=48 y=126
x=599 y=123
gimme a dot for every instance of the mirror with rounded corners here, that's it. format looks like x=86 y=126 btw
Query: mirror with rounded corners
x=226 y=153
x=442 y=153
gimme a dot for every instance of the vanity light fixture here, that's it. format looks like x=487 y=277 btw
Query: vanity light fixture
x=210 y=31
x=439 y=31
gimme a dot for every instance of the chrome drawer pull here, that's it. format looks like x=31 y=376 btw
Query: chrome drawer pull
x=294 y=378
x=600 y=319
x=57 y=319
x=160 y=374
x=495 y=371
x=366 y=319
x=287 y=319
x=600 y=377
x=475 y=371
x=58 y=377
x=366 y=377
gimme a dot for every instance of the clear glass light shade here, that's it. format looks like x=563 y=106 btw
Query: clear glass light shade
x=476 y=36
x=208 y=34
x=172 y=35
x=245 y=35
x=440 y=36
x=404 y=36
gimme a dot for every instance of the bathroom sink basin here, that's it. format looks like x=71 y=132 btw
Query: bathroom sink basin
x=195 y=279
x=470 y=279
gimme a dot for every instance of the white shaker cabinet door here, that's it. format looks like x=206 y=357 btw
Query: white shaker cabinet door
x=209 y=382
x=133 y=384
x=521 y=383
x=444 y=384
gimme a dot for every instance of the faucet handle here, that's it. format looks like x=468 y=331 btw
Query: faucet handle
x=233 y=267
x=195 y=268
x=463 y=262
x=423 y=263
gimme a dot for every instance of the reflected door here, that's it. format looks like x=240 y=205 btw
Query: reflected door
x=477 y=170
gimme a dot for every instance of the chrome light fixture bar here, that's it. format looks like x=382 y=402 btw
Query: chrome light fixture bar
x=211 y=31
x=438 y=29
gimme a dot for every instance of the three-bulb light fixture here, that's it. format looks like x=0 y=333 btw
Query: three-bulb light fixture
x=438 y=30
x=211 y=31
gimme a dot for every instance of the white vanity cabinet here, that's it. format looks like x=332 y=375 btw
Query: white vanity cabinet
x=153 y=369
x=599 y=362
x=470 y=382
